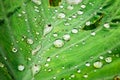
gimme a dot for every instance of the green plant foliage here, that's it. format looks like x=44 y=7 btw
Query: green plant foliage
x=60 y=40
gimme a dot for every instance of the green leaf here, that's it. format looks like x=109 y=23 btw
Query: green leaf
x=72 y=40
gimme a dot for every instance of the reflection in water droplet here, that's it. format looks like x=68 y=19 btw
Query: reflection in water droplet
x=58 y=43
x=21 y=67
x=108 y=59
x=66 y=37
x=98 y=64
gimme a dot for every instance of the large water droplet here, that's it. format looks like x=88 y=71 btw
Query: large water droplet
x=98 y=64
x=58 y=43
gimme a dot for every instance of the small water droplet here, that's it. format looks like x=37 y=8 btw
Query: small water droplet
x=101 y=57
x=109 y=51
x=55 y=35
x=14 y=50
x=29 y=41
x=48 y=59
x=47 y=29
x=66 y=37
x=61 y=15
x=74 y=31
x=108 y=59
x=70 y=7
x=85 y=76
x=93 y=33
x=54 y=77
x=117 y=77
x=35 y=69
x=83 y=6
x=74 y=1
x=46 y=65
x=21 y=67
x=72 y=76
x=58 y=43
x=87 y=23
x=98 y=64
x=87 y=64
x=1 y=65
x=78 y=71
x=49 y=70
x=107 y=25
x=38 y=2
x=80 y=12
x=34 y=51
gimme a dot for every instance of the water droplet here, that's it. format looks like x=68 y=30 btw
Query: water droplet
x=98 y=64
x=49 y=70
x=1 y=65
x=87 y=64
x=58 y=43
x=54 y=77
x=29 y=41
x=83 y=6
x=48 y=59
x=109 y=51
x=14 y=50
x=107 y=25
x=34 y=51
x=72 y=76
x=21 y=67
x=46 y=65
x=87 y=23
x=101 y=57
x=55 y=35
x=80 y=12
x=35 y=69
x=61 y=15
x=38 y=2
x=85 y=76
x=70 y=7
x=93 y=33
x=78 y=71
x=66 y=37
x=74 y=31
x=108 y=59
x=47 y=29
x=117 y=77
x=19 y=15
x=74 y=1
